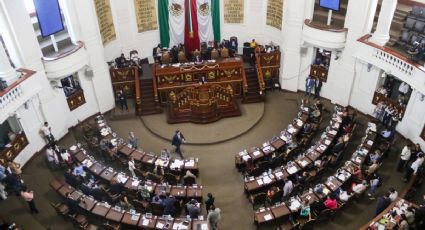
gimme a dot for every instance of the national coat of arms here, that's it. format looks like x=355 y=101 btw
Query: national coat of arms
x=176 y=9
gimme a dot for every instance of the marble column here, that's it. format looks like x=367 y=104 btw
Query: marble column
x=382 y=33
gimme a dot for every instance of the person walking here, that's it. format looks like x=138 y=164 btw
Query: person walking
x=28 y=196
x=209 y=202
x=122 y=99
x=214 y=217
x=133 y=140
x=178 y=139
x=317 y=87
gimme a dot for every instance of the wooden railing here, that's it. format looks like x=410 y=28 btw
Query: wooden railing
x=319 y=72
x=244 y=81
x=269 y=62
x=260 y=78
x=16 y=146
x=138 y=96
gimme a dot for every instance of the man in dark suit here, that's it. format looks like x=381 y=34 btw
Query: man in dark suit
x=178 y=139
x=383 y=203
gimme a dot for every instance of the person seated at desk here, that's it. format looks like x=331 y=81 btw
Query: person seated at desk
x=193 y=209
x=318 y=105
x=123 y=203
x=14 y=167
x=374 y=156
x=143 y=192
x=360 y=187
x=79 y=170
x=372 y=168
x=71 y=179
x=116 y=186
x=66 y=157
x=165 y=154
x=339 y=146
x=305 y=211
x=344 y=196
x=331 y=202
x=253 y=43
x=170 y=205
x=73 y=205
x=189 y=174
x=301 y=179
x=358 y=173
x=121 y=61
x=158 y=199
x=317 y=61
x=388 y=134
x=307 y=128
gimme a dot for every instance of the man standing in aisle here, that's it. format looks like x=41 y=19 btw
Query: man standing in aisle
x=178 y=139
x=132 y=166
x=46 y=130
x=309 y=85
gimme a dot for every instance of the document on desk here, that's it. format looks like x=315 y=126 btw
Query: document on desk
x=256 y=153
x=158 y=225
x=279 y=174
x=268 y=217
x=267 y=180
x=135 y=217
x=303 y=163
x=327 y=142
x=292 y=170
x=135 y=183
x=246 y=157
x=260 y=181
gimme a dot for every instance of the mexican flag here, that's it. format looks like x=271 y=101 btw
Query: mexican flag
x=189 y=22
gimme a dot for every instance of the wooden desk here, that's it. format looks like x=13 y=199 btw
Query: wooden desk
x=333 y=184
x=147 y=223
x=88 y=203
x=194 y=192
x=56 y=184
x=115 y=215
x=126 y=150
x=107 y=174
x=66 y=188
x=97 y=168
x=277 y=143
x=178 y=191
x=131 y=219
x=280 y=211
x=310 y=197
x=182 y=222
x=198 y=224
x=101 y=209
x=159 y=188
x=162 y=223
x=137 y=155
x=129 y=184
x=263 y=216
x=80 y=156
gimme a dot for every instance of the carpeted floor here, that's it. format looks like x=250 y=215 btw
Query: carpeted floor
x=217 y=171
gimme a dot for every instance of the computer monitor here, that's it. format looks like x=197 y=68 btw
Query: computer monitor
x=330 y=4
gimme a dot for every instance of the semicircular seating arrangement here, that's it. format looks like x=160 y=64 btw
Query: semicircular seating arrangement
x=143 y=214
x=273 y=152
x=285 y=214
x=303 y=162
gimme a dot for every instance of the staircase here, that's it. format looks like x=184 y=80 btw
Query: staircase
x=253 y=93
x=148 y=104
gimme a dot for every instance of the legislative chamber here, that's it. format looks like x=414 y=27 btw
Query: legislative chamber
x=212 y=114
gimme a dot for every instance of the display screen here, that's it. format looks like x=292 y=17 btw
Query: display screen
x=49 y=16
x=330 y=4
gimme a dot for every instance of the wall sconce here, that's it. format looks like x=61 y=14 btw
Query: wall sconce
x=55 y=85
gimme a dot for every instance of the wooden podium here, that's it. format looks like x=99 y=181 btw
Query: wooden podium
x=202 y=104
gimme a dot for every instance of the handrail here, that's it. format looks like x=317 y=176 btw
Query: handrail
x=244 y=81
x=260 y=77
x=311 y=24
x=138 y=96
x=26 y=74
x=155 y=87
x=79 y=45
x=365 y=40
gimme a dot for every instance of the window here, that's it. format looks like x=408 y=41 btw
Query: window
x=52 y=44
x=9 y=129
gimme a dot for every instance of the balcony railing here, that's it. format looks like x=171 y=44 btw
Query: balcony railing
x=324 y=36
x=14 y=148
x=15 y=90
x=391 y=62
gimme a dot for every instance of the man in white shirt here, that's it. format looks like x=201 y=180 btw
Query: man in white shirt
x=393 y=194
x=131 y=167
x=52 y=158
x=360 y=187
x=403 y=88
x=404 y=157
x=46 y=130
x=344 y=196
x=413 y=169
x=287 y=188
